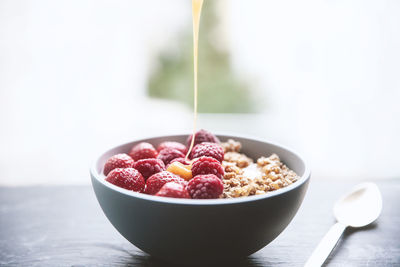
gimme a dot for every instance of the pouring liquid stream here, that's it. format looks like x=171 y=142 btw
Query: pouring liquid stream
x=196 y=13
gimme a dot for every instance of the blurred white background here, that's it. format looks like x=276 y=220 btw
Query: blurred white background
x=73 y=80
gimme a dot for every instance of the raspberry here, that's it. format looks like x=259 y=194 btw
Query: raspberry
x=156 y=181
x=128 y=178
x=202 y=136
x=180 y=160
x=209 y=150
x=143 y=150
x=168 y=154
x=148 y=167
x=207 y=165
x=170 y=144
x=175 y=190
x=205 y=186
x=117 y=161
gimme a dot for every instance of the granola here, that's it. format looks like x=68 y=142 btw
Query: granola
x=243 y=177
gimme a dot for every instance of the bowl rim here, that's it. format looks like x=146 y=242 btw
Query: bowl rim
x=181 y=201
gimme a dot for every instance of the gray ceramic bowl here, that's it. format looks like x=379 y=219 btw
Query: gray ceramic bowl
x=189 y=230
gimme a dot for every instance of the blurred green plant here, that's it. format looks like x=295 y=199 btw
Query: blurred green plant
x=220 y=89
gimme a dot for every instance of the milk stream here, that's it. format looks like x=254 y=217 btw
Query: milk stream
x=196 y=13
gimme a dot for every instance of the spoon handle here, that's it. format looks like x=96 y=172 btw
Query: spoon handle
x=326 y=245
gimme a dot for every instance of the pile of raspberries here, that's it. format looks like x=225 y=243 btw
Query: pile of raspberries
x=146 y=169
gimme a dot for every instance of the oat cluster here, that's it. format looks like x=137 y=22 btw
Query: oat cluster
x=243 y=177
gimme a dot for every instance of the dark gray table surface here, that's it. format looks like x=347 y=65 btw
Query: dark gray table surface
x=64 y=226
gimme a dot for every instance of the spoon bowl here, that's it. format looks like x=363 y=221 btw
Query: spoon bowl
x=360 y=207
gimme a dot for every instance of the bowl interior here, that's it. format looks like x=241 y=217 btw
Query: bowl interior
x=251 y=147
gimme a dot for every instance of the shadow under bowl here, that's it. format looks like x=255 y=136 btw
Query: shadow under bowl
x=201 y=231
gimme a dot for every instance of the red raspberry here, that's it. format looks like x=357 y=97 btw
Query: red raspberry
x=209 y=150
x=170 y=144
x=181 y=160
x=128 y=178
x=205 y=186
x=202 y=136
x=207 y=165
x=156 y=181
x=148 y=167
x=143 y=150
x=168 y=154
x=117 y=161
x=175 y=190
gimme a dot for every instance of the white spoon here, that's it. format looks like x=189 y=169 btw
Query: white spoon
x=357 y=209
